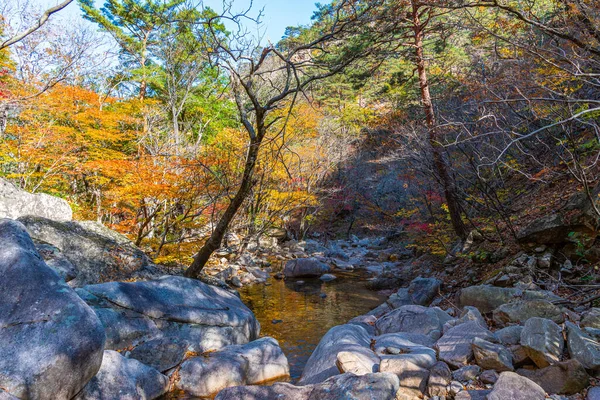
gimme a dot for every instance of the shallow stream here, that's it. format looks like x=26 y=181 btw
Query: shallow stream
x=298 y=315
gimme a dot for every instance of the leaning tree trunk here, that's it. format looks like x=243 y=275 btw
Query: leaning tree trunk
x=438 y=158
x=216 y=237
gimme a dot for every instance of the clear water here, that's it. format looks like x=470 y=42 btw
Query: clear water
x=298 y=315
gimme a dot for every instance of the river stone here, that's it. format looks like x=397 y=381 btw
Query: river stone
x=125 y=328
x=515 y=387
x=208 y=317
x=15 y=203
x=162 y=353
x=322 y=362
x=207 y=376
x=266 y=361
x=421 y=356
x=423 y=290
x=567 y=377
x=52 y=342
x=380 y=386
x=468 y=314
x=99 y=254
x=487 y=298
x=582 y=347
x=413 y=319
x=399 y=340
x=412 y=377
x=510 y=335
x=123 y=378
x=591 y=319
x=521 y=311
x=357 y=363
x=439 y=378
x=327 y=277
x=492 y=356
x=543 y=341
x=305 y=268
x=472 y=395
x=455 y=346
x=489 y=376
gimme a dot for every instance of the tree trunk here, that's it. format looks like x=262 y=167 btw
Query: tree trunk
x=215 y=239
x=438 y=158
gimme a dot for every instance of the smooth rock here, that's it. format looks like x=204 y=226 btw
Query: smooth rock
x=123 y=378
x=125 y=328
x=52 y=342
x=207 y=376
x=162 y=353
x=515 y=387
x=16 y=202
x=567 y=377
x=400 y=340
x=56 y=260
x=380 y=386
x=305 y=268
x=582 y=347
x=412 y=377
x=543 y=341
x=357 y=363
x=327 y=277
x=492 y=356
x=322 y=362
x=520 y=311
x=472 y=395
x=454 y=347
x=279 y=391
x=413 y=319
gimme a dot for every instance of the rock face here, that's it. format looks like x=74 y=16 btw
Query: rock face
x=205 y=317
x=543 y=341
x=15 y=203
x=515 y=387
x=567 y=377
x=52 y=342
x=123 y=378
x=322 y=362
x=305 y=268
x=380 y=386
x=455 y=348
x=99 y=254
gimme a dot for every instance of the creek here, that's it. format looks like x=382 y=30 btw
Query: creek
x=299 y=314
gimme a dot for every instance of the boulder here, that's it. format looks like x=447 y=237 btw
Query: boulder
x=358 y=363
x=161 y=353
x=439 y=379
x=472 y=395
x=327 y=277
x=490 y=376
x=305 y=268
x=553 y=229
x=468 y=314
x=543 y=341
x=420 y=356
x=510 y=335
x=123 y=378
x=593 y=393
x=567 y=377
x=254 y=363
x=492 y=356
x=591 y=319
x=56 y=260
x=399 y=340
x=322 y=363
x=487 y=298
x=455 y=348
x=582 y=347
x=205 y=316
x=520 y=311
x=380 y=386
x=52 y=342
x=423 y=290
x=515 y=387
x=279 y=391
x=99 y=254
x=414 y=319
x=412 y=377
x=15 y=203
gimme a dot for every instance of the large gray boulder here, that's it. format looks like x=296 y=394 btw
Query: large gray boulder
x=51 y=341
x=567 y=377
x=543 y=341
x=486 y=298
x=422 y=291
x=322 y=362
x=206 y=317
x=515 y=387
x=414 y=319
x=455 y=347
x=582 y=347
x=254 y=363
x=15 y=203
x=123 y=378
x=521 y=311
x=492 y=356
x=305 y=268
x=98 y=253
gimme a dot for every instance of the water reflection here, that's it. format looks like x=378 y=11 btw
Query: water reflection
x=298 y=314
